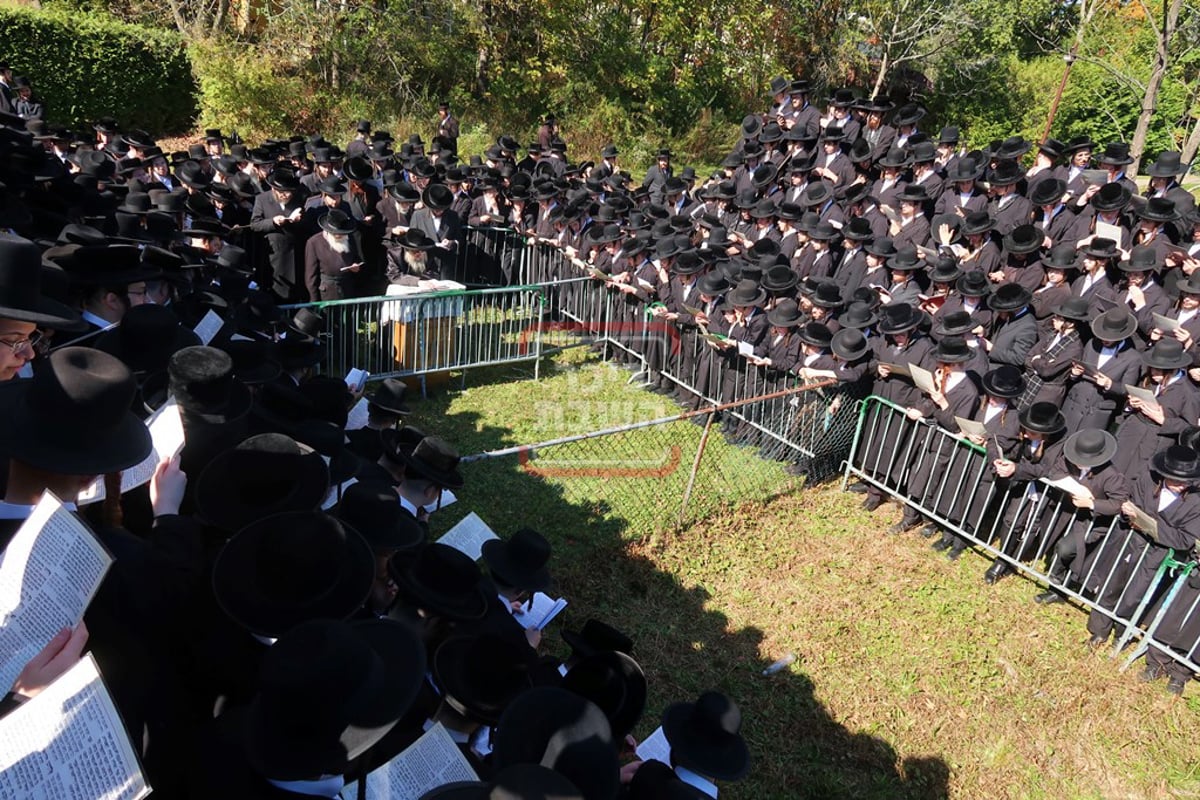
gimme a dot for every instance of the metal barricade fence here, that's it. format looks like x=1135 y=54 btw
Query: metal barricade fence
x=1035 y=528
x=658 y=474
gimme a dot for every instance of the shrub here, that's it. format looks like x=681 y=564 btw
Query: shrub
x=86 y=67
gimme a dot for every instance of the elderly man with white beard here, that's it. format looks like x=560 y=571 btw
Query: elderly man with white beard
x=331 y=258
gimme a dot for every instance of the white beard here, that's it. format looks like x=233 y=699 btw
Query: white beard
x=338 y=244
x=416 y=261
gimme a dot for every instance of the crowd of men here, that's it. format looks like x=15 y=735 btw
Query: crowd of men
x=258 y=646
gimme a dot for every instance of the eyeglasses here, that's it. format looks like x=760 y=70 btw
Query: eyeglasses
x=32 y=343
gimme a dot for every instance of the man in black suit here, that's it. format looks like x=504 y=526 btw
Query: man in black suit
x=277 y=215
x=443 y=227
x=656 y=177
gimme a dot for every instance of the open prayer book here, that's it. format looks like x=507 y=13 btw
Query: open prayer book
x=358 y=416
x=1107 y=231
x=1068 y=485
x=431 y=761
x=469 y=535
x=1088 y=370
x=1145 y=523
x=166 y=431
x=356 y=379
x=1165 y=324
x=541 y=610
x=1145 y=395
x=49 y=573
x=970 y=427
x=656 y=747
x=922 y=379
x=69 y=742
x=208 y=327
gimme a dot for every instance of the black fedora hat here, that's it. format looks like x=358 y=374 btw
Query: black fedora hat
x=900 y=318
x=785 y=314
x=437 y=196
x=705 y=736
x=747 y=293
x=913 y=193
x=1062 y=256
x=963 y=170
x=1101 y=248
x=328 y=691
x=1005 y=381
x=1012 y=148
x=371 y=509
x=389 y=396
x=955 y=323
x=896 y=158
x=480 y=674
x=1115 y=154
x=146 y=338
x=827 y=295
x=1048 y=192
x=289 y=568
x=1114 y=324
x=1077 y=143
x=945 y=270
x=1073 y=308
x=519 y=562
x=1158 y=209
x=441 y=580
x=253 y=361
x=1090 y=447
x=596 y=637
x=1006 y=173
x=905 y=260
x=436 y=460
x=21 y=288
x=284 y=180
x=882 y=247
x=816 y=334
x=849 y=344
x=713 y=284
x=563 y=731
x=973 y=284
x=952 y=350
x=203 y=383
x=1023 y=239
x=1044 y=418
x=779 y=278
x=1178 y=463
x=337 y=222
x=615 y=683
x=1167 y=165
x=655 y=780
x=1111 y=197
x=1166 y=354
x=73 y=417
x=266 y=474
x=1142 y=258
x=1010 y=297
x=976 y=222
x=908 y=114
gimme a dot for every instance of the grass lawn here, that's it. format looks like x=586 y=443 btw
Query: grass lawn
x=913 y=678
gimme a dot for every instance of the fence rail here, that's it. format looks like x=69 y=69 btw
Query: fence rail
x=1102 y=563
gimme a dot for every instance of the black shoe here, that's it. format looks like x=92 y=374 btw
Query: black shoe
x=1097 y=641
x=858 y=488
x=942 y=544
x=997 y=571
x=906 y=523
x=929 y=530
x=1049 y=598
x=955 y=551
x=1152 y=673
x=1176 y=684
x=872 y=502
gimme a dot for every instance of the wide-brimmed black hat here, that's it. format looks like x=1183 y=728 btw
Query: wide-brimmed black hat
x=146 y=338
x=896 y=158
x=1062 y=256
x=289 y=568
x=1012 y=148
x=1114 y=325
x=1114 y=153
x=519 y=562
x=1075 y=309
x=816 y=334
x=908 y=114
x=1167 y=165
x=1101 y=248
x=964 y=169
x=1111 y=197
x=747 y=293
x=203 y=383
x=596 y=637
x=1077 y=143
x=436 y=460
x=21 y=289
x=389 y=396
x=481 y=674
x=1177 y=463
x=441 y=580
x=265 y=475
x=1158 y=209
x=1166 y=354
x=337 y=222
x=253 y=361
x=615 y=683
x=73 y=417
x=561 y=730
x=905 y=260
x=284 y=180
x=1048 y=192
x=976 y=222
x=1023 y=239
x=328 y=691
x=779 y=278
x=1090 y=447
x=952 y=350
x=882 y=247
x=1005 y=381
x=705 y=736
x=1142 y=258
x=372 y=510
x=945 y=270
x=437 y=196
x=849 y=344
x=1006 y=173
x=955 y=323
x=1044 y=418
x=827 y=295
x=655 y=780
x=913 y=193
x=973 y=284
x=900 y=318
x=713 y=284
x=1010 y=297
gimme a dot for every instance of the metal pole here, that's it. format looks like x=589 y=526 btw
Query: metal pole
x=687 y=493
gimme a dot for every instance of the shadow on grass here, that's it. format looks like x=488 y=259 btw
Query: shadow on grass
x=684 y=643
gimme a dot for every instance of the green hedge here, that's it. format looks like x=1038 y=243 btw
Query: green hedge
x=85 y=67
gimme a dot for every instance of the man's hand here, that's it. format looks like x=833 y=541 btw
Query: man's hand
x=59 y=655
x=1003 y=468
x=167 y=487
